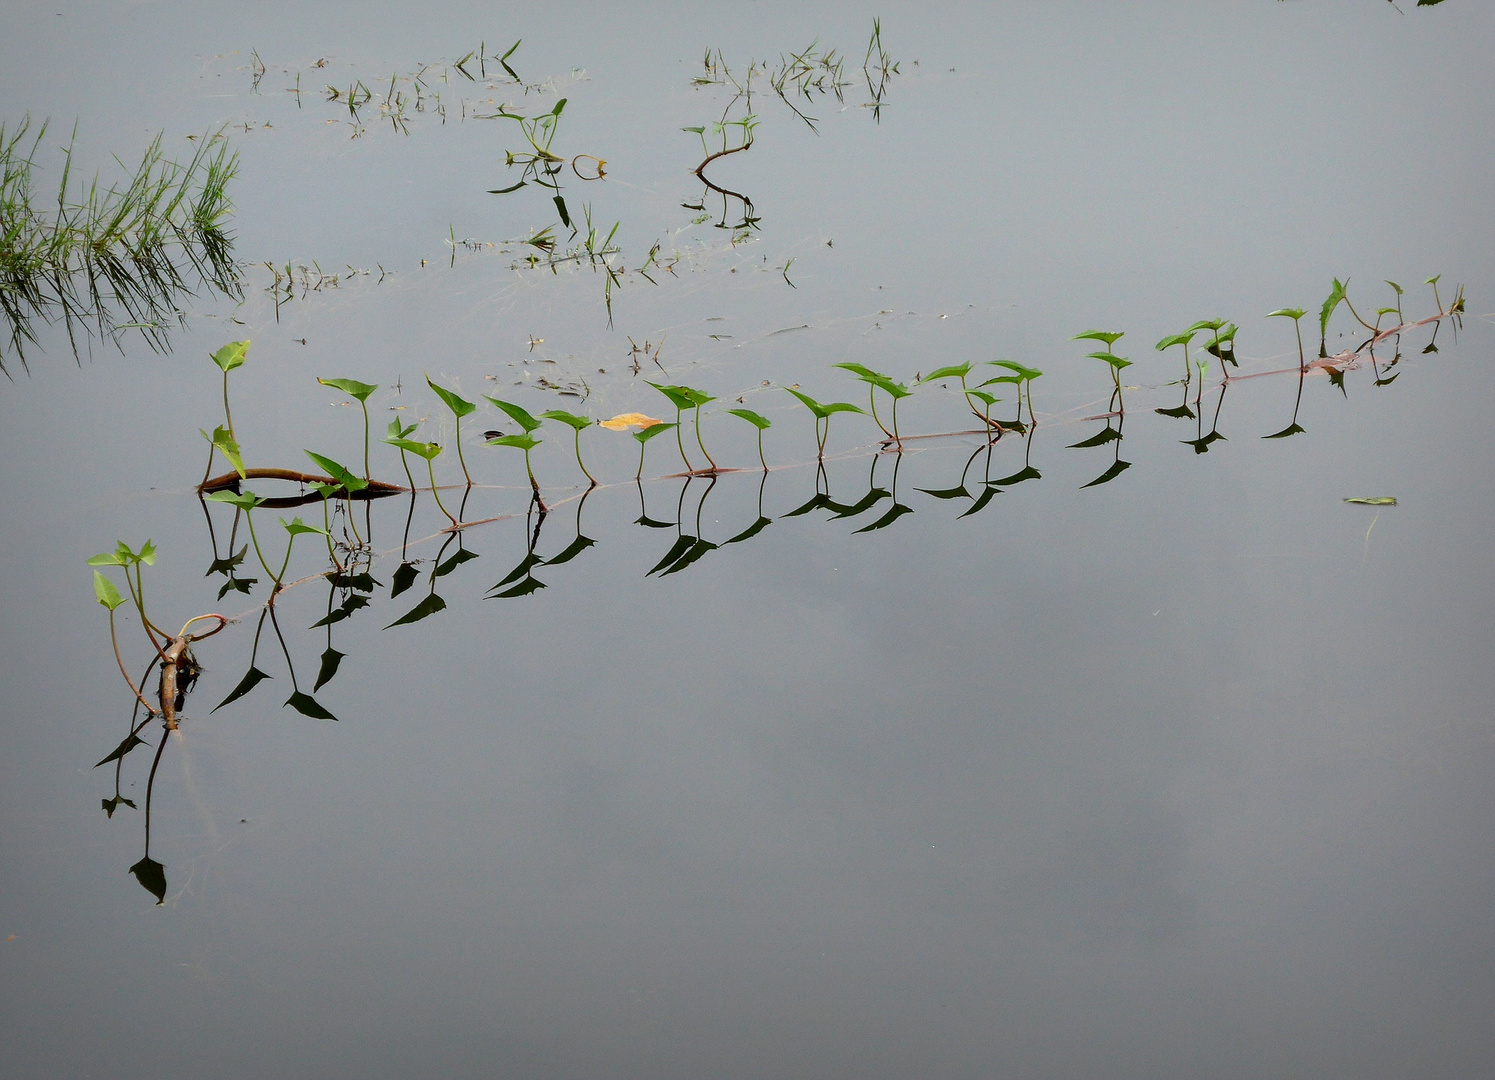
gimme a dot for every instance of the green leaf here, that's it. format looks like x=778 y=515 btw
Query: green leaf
x=105 y=591
x=1117 y=362
x=648 y=433
x=231 y=355
x=352 y=387
x=1110 y=337
x=1294 y=313
x=244 y=500
x=396 y=431
x=151 y=875
x=1336 y=294
x=1176 y=339
x=427 y=450
x=762 y=423
x=1377 y=500
x=894 y=389
x=580 y=423
x=252 y=678
x=110 y=558
x=427 y=607
x=296 y=527
x=523 y=442
x=866 y=374
x=227 y=446
x=1025 y=373
x=339 y=472
x=822 y=411
x=982 y=395
x=680 y=396
x=953 y=371
x=331 y=658
x=459 y=405
x=519 y=415
x=147 y=552
x=1207 y=324
x=307 y=705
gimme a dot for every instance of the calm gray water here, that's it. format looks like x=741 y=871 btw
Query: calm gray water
x=1185 y=774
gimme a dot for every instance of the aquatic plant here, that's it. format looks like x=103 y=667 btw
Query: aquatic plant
x=762 y=423
x=578 y=424
x=460 y=407
x=525 y=441
x=358 y=391
x=822 y=412
x=430 y=452
x=1109 y=338
x=115 y=259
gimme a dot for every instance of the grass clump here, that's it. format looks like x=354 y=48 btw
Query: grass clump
x=111 y=259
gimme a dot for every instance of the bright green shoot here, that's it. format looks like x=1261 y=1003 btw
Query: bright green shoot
x=525 y=442
x=873 y=379
x=762 y=423
x=1116 y=363
x=680 y=397
x=516 y=413
x=222 y=440
x=246 y=501
x=295 y=527
x=1433 y=281
x=1025 y=376
x=1294 y=314
x=460 y=407
x=343 y=481
x=402 y=431
x=578 y=424
x=360 y=392
x=1180 y=339
x=1400 y=318
x=643 y=436
x=823 y=412
x=429 y=451
x=952 y=371
x=227 y=358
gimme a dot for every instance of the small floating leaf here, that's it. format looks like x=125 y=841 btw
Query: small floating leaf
x=1378 y=500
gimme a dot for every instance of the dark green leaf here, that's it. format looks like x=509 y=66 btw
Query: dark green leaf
x=461 y=556
x=677 y=550
x=751 y=531
x=896 y=511
x=331 y=658
x=426 y=608
x=524 y=588
x=307 y=705
x=152 y=875
x=1100 y=438
x=1116 y=469
x=250 y=680
x=1291 y=429
x=403 y=577
x=123 y=748
x=573 y=549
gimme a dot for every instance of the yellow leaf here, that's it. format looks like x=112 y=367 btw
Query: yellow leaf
x=624 y=421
